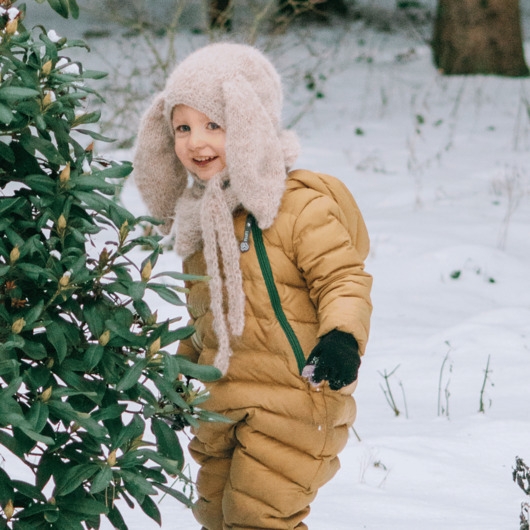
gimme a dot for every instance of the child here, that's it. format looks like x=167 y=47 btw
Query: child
x=218 y=122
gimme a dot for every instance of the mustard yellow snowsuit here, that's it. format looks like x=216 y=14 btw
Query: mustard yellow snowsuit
x=264 y=469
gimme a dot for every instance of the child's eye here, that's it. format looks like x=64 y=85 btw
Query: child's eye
x=182 y=128
x=213 y=126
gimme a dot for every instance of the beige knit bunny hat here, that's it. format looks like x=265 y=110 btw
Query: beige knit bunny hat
x=237 y=87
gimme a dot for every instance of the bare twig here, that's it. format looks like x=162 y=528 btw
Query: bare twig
x=388 y=391
x=441 y=409
x=487 y=373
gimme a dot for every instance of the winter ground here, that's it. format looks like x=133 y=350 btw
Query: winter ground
x=439 y=167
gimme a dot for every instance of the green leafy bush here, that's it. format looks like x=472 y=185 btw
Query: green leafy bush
x=83 y=371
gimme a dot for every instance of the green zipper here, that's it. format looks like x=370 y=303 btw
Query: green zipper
x=266 y=270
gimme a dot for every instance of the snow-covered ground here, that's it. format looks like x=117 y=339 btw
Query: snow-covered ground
x=439 y=167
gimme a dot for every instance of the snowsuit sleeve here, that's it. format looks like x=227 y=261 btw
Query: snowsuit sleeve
x=331 y=259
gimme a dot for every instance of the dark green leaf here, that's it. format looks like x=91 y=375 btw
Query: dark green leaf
x=115 y=171
x=166 y=294
x=28 y=490
x=167 y=441
x=74 y=8
x=25 y=443
x=6 y=153
x=173 y=467
x=11 y=443
x=34 y=143
x=11 y=204
x=9 y=367
x=206 y=415
x=116 y=518
x=67 y=413
x=95 y=135
x=10 y=390
x=202 y=372
x=122 y=331
x=134 y=429
x=166 y=388
x=139 y=484
x=171 y=367
x=41 y=183
x=37 y=376
x=85 y=506
x=16 y=341
x=32 y=271
x=88 y=183
x=169 y=337
x=94 y=74
x=35 y=509
x=49 y=464
x=137 y=291
x=35 y=350
x=34 y=313
x=182 y=276
x=56 y=336
x=51 y=516
x=70 y=520
x=110 y=412
x=14 y=93
x=93 y=355
x=6 y=114
x=95 y=318
x=59 y=6
x=88 y=117
x=142 y=309
x=132 y=375
x=6 y=488
x=175 y=494
x=40 y=123
x=151 y=510
x=120 y=215
x=101 y=480
x=74 y=477
x=122 y=317
x=37 y=415
x=117 y=287
x=94 y=201
x=30 y=433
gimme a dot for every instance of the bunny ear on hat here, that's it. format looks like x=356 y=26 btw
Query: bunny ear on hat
x=257 y=153
x=158 y=173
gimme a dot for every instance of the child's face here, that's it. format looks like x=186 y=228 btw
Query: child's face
x=199 y=142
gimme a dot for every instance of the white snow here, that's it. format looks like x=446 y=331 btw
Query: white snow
x=67 y=67
x=52 y=35
x=439 y=167
x=13 y=13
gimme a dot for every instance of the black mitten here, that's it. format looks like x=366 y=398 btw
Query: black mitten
x=336 y=359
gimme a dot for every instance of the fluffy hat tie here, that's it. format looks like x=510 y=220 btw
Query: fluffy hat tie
x=218 y=232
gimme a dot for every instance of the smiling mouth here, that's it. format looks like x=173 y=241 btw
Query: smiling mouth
x=204 y=160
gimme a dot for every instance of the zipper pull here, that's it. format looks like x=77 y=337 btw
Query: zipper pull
x=244 y=246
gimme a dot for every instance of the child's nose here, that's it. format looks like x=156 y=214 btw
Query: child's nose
x=196 y=139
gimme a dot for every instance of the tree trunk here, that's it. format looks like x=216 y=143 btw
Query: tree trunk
x=219 y=14
x=479 y=37
x=319 y=6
